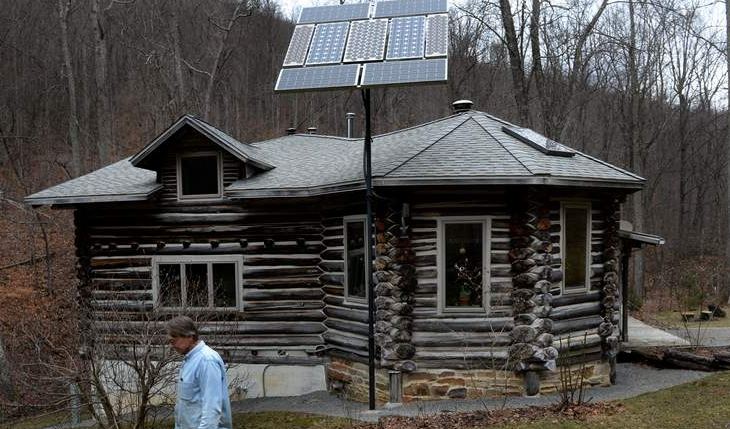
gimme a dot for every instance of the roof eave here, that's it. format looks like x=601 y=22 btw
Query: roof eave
x=631 y=185
x=89 y=199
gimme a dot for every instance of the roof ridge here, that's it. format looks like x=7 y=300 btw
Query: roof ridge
x=413 y=127
x=324 y=136
x=500 y=143
x=427 y=146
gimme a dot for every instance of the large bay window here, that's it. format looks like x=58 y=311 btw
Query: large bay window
x=463 y=264
x=575 y=245
x=355 y=258
x=197 y=282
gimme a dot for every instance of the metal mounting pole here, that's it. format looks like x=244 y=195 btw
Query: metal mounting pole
x=367 y=170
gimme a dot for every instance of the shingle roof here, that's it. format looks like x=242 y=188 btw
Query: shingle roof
x=466 y=148
x=116 y=182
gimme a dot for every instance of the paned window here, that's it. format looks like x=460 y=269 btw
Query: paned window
x=199 y=175
x=195 y=282
x=575 y=246
x=355 y=258
x=463 y=264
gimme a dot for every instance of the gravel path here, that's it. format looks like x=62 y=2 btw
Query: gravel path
x=633 y=379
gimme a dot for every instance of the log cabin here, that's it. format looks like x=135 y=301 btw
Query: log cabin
x=497 y=254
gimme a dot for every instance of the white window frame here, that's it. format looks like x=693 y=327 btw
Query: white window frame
x=219 y=173
x=183 y=260
x=486 y=222
x=589 y=259
x=346 y=294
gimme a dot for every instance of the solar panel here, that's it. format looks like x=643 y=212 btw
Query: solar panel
x=322 y=77
x=406 y=37
x=437 y=35
x=366 y=41
x=344 y=12
x=328 y=43
x=385 y=9
x=298 y=46
x=539 y=141
x=398 y=72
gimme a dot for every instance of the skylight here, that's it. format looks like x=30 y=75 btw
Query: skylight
x=539 y=141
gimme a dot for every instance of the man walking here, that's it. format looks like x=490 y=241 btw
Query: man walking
x=202 y=388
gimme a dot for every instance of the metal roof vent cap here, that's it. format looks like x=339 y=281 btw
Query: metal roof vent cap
x=462 y=105
x=312 y=130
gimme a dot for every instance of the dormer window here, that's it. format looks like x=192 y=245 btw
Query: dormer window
x=199 y=175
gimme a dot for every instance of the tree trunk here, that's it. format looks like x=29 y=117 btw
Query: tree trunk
x=73 y=112
x=104 y=138
x=516 y=62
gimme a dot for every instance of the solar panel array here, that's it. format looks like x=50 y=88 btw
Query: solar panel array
x=394 y=42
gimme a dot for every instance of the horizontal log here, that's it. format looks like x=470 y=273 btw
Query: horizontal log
x=279 y=260
x=347 y=326
x=124 y=295
x=336 y=279
x=218 y=328
x=281 y=294
x=306 y=282
x=292 y=312
x=332 y=266
x=279 y=271
x=122 y=273
x=120 y=262
x=461 y=324
x=576 y=298
x=277 y=306
x=583 y=323
x=576 y=310
x=350 y=314
x=346 y=340
x=460 y=339
x=121 y=284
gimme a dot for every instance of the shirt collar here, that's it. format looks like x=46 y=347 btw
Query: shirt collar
x=195 y=350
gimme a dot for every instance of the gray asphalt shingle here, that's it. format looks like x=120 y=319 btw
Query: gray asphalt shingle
x=469 y=146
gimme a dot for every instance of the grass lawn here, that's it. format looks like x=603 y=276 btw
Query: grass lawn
x=700 y=404
x=673 y=319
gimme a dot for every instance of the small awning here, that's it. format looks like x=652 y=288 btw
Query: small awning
x=639 y=239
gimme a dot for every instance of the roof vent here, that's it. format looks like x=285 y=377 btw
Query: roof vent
x=291 y=131
x=312 y=130
x=462 y=105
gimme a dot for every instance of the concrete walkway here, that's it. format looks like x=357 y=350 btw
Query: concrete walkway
x=632 y=380
x=643 y=335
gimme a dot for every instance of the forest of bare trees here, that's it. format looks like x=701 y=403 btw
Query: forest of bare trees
x=640 y=84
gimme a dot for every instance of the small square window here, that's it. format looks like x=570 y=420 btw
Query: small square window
x=199 y=176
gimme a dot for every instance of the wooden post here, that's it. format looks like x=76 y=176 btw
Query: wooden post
x=367 y=165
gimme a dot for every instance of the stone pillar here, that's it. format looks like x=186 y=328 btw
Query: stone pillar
x=610 y=297
x=532 y=348
x=395 y=278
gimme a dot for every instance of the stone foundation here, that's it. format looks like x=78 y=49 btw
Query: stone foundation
x=352 y=379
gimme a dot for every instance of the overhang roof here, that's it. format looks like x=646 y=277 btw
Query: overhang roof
x=468 y=148
x=641 y=238
x=242 y=151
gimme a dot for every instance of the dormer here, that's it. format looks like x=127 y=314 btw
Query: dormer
x=196 y=161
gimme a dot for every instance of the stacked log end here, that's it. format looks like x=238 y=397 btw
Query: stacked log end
x=531 y=346
x=608 y=330
x=395 y=280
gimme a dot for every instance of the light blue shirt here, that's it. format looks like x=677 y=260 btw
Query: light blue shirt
x=202 y=391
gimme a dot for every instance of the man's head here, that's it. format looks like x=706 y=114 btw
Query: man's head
x=182 y=334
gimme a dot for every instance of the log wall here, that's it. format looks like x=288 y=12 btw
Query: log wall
x=280 y=243
x=460 y=339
